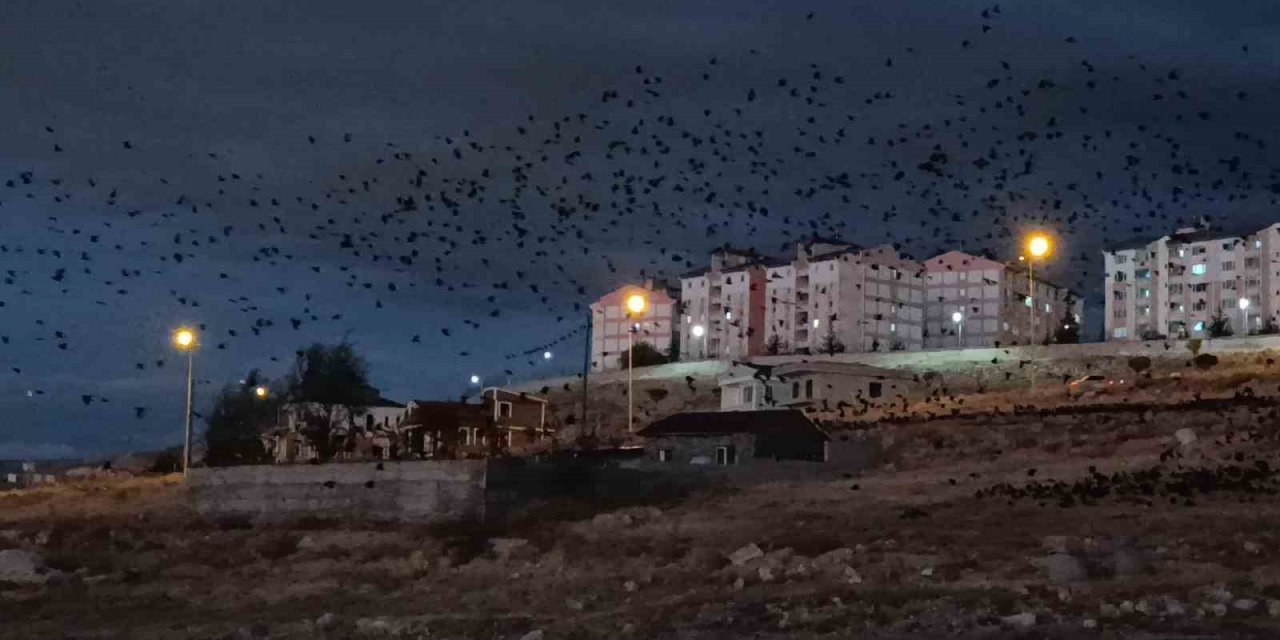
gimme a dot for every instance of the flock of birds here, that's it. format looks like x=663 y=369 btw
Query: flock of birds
x=544 y=215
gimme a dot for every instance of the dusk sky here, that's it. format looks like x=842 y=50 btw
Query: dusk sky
x=280 y=173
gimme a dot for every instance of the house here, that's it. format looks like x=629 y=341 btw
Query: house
x=819 y=388
x=519 y=419
x=734 y=438
x=1173 y=286
x=435 y=429
x=610 y=324
x=354 y=432
x=994 y=301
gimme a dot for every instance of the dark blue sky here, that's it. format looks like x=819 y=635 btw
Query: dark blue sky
x=897 y=121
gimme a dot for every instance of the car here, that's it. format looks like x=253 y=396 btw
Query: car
x=1091 y=385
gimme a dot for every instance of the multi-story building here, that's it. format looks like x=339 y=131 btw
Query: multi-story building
x=722 y=307
x=610 y=324
x=993 y=301
x=1175 y=285
x=838 y=295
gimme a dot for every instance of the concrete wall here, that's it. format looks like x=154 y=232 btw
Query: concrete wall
x=417 y=491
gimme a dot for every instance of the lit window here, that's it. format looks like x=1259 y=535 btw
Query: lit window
x=1257 y=244
x=1197 y=269
x=728 y=315
x=893 y=326
x=815 y=323
x=1027 y=301
x=1199 y=326
x=1120 y=332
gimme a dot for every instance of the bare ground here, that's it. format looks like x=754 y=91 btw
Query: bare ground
x=952 y=538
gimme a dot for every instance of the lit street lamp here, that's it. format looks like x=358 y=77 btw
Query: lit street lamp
x=958 y=319
x=1244 y=309
x=475 y=379
x=546 y=355
x=1038 y=246
x=700 y=331
x=185 y=340
x=260 y=391
x=635 y=306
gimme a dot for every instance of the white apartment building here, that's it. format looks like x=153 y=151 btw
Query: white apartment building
x=1173 y=286
x=867 y=299
x=993 y=302
x=610 y=325
x=722 y=308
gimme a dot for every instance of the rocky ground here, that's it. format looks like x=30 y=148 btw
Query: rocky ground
x=1118 y=517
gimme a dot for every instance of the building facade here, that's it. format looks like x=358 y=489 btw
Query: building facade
x=838 y=297
x=722 y=308
x=824 y=388
x=610 y=324
x=996 y=303
x=1175 y=286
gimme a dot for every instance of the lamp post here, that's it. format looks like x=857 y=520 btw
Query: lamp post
x=958 y=319
x=1037 y=247
x=185 y=340
x=635 y=306
x=700 y=332
x=1244 y=309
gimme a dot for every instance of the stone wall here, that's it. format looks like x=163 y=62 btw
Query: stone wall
x=417 y=491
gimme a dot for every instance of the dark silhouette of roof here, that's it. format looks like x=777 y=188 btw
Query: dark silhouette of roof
x=775 y=422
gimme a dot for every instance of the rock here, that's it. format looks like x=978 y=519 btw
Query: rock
x=745 y=554
x=1089 y=623
x=628 y=629
x=1126 y=606
x=255 y=631
x=1185 y=436
x=327 y=621
x=1126 y=561
x=507 y=549
x=1273 y=608
x=850 y=576
x=1219 y=609
x=765 y=573
x=834 y=558
x=1173 y=607
x=630 y=586
x=307 y=543
x=22 y=567
x=1108 y=610
x=1252 y=547
x=1143 y=607
x=536 y=634
x=926 y=572
x=574 y=604
x=1245 y=604
x=1056 y=544
x=739 y=584
x=1062 y=568
x=1022 y=620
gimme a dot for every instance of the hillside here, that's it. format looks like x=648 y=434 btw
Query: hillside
x=1117 y=517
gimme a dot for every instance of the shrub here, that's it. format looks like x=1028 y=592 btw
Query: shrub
x=1139 y=364
x=1205 y=361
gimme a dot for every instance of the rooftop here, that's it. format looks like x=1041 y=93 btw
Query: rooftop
x=780 y=422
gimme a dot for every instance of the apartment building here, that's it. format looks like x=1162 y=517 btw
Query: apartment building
x=722 y=307
x=610 y=324
x=995 y=303
x=1174 y=286
x=835 y=293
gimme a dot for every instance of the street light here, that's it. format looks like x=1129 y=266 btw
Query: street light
x=260 y=391
x=1038 y=246
x=546 y=355
x=1244 y=309
x=635 y=306
x=958 y=319
x=184 y=339
x=475 y=379
x=699 y=331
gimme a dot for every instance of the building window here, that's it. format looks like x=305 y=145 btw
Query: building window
x=1199 y=251
x=1251 y=263
x=1121 y=258
x=1144 y=293
x=1175 y=288
x=1257 y=244
x=875 y=389
x=1120 y=332
x=1142 y=274
x=1199 y=326
x=467 y=438
x=725 y=456
x=504 y=409
x=1226 y=246
x=1197 y=269
x=664 y=455
x=795 y=389
x=748 y=394
x=1200 y=288
x=1229 y=265
x=1120 y=276
x=808 y=388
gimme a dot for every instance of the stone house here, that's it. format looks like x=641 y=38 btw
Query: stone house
x=355 y=432
x=519 y=419
x=734 y=438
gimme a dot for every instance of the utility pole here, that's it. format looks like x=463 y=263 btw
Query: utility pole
x=586 y=371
